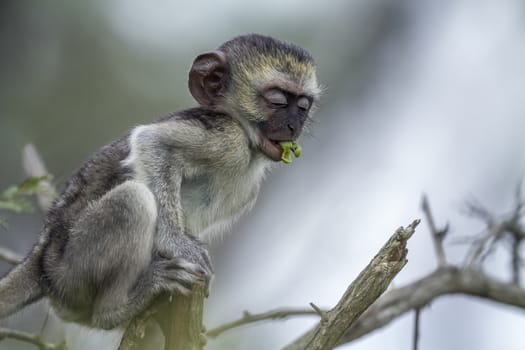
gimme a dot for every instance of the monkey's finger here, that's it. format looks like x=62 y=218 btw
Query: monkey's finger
x=180 y=288
x=207 y=262
x=178 y=269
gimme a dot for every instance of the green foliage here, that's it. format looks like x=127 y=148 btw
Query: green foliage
x=289 y=147
x=15 y=198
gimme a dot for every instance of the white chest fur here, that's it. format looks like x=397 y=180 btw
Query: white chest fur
x=203 y=178
x=212 y=202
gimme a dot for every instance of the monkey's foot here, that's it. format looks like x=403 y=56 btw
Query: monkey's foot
x=179 y=275
x=289 y=147
x=184 y=261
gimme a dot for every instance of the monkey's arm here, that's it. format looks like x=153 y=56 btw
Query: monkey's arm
x=157 y=156
x=161 y=155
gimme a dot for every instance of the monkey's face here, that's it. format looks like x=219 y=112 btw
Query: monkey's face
x=285 y=111
x=268 y=85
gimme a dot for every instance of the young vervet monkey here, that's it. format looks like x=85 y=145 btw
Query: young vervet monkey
x=127 y=225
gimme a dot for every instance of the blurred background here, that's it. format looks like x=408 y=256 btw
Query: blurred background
x=421 y=97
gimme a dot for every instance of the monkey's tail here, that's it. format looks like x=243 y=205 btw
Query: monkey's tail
x=21 y=287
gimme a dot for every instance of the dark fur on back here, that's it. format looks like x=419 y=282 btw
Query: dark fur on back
x=105 y=171
x=206 y=117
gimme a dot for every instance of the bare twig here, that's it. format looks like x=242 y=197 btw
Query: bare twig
x=518 y=202
x=437 y=235
x=515 y=229
x=416 y=329
x=363 y=291
x=318 y=311
x=475 y=209
x=10 y=256
x=483 y=245
x=28 y=338
x=497 y=229
x=34 y=167
x=516 y=259
x=279 y=314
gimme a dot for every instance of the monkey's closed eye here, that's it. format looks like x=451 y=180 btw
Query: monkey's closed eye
x=303 y=103
x=276 y=98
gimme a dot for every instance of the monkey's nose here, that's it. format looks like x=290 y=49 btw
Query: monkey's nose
x=292 y=129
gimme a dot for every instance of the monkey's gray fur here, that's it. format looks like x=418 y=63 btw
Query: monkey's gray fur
x=125 y=227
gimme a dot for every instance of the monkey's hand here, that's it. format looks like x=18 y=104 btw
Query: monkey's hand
x=182 y=262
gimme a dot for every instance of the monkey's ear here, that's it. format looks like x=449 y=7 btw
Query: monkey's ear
x=209 y=78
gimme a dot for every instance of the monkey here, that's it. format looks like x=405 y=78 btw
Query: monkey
x=131 y=222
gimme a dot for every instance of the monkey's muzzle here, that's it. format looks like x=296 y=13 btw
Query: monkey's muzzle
x=280 y=150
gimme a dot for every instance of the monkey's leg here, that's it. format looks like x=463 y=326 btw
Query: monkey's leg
x=110 y=255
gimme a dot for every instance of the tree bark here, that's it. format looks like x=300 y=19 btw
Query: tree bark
x=179 y=317
x=363 y=291
x=184 y=328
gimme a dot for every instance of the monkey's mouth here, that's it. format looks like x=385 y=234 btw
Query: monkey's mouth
x=271 y=148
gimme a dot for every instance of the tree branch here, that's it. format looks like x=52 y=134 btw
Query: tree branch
x=184 y=329
x=415 y=340
x=279 y=314
x=10 y=256
x=136 y=331
x=34 y=167
x=180 y=318
x=437 y=235
x=363 y=291
x=396 y=302
x=445 y=280
x=29 y=338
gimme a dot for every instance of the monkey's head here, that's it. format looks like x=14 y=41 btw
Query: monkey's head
x=269 y=85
